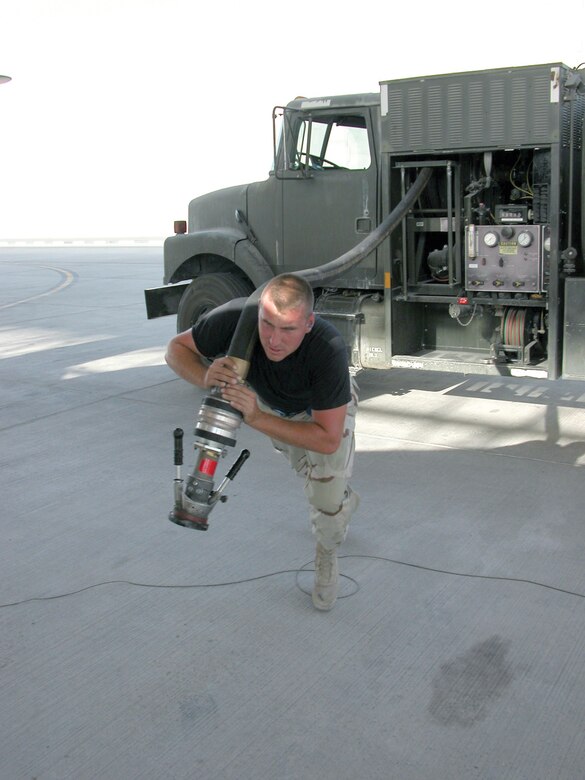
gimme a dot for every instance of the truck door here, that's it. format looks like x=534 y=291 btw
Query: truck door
x=329 y=188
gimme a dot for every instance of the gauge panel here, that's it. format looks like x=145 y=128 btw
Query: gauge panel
x=500 y=258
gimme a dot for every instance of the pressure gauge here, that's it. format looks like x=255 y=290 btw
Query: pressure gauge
x=490 y=238
x=524 y=238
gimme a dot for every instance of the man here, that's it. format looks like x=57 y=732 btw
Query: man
x=298 y=392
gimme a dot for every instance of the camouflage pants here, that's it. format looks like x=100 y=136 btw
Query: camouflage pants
x=326 y=476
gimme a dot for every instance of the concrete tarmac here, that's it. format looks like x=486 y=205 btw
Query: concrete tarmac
x=134 y=649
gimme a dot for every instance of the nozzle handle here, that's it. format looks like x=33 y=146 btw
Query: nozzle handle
x=242 y=458
x=217 y=494
x=178 y=435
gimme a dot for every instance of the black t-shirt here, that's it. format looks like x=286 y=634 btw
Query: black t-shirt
x=315 y=376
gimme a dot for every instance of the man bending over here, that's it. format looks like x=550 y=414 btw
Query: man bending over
x=298 y=392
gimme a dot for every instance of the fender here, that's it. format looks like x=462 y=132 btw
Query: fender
x=190 y=254
x=253 y=263
x=205 y=252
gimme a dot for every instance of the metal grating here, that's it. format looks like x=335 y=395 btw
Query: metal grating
x=519 y=96
x=501 y=108
x=455 y=105
x=435 y=113
x=496 y=110
x=475 y=116
x=415 y=116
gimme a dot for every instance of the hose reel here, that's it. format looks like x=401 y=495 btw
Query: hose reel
x=519 y=331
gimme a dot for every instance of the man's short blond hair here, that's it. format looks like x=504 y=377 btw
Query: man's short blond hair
x=290 y=291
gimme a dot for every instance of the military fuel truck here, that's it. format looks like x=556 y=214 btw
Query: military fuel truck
x=439 y=221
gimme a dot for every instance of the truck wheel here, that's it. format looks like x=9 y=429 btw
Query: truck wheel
x=206 y=293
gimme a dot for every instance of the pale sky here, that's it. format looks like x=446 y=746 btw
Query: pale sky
x=120 y=111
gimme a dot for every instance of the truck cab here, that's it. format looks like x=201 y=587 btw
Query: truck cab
x=320 y=199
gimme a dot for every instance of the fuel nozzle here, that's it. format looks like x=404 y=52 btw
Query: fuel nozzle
x=215 y=431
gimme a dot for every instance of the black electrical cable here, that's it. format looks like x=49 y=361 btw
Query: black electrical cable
x=148 y=585
x=467 y=575
x=297 y=572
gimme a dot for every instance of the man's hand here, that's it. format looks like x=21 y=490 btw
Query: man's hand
x=243 y=399
x=221 y=373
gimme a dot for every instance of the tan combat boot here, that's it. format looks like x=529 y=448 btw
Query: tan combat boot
x=326 y=578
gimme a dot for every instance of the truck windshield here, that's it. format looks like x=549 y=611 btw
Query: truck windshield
x=328 y=142
x=322 y=142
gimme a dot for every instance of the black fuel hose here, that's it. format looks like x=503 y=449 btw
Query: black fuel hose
x=244 y=338
x=344 y=262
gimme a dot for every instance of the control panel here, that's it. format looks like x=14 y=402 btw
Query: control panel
x=503 y=258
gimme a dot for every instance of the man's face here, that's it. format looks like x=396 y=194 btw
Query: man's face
x=281 y=332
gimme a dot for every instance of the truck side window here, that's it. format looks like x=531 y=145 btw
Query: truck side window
x=335 y=142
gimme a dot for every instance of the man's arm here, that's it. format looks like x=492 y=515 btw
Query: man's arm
x=322 y=433
x=187 y=362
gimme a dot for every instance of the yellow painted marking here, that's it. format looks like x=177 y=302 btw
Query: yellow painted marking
x=68 y=279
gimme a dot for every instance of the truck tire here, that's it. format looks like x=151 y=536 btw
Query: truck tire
x=207 y=292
